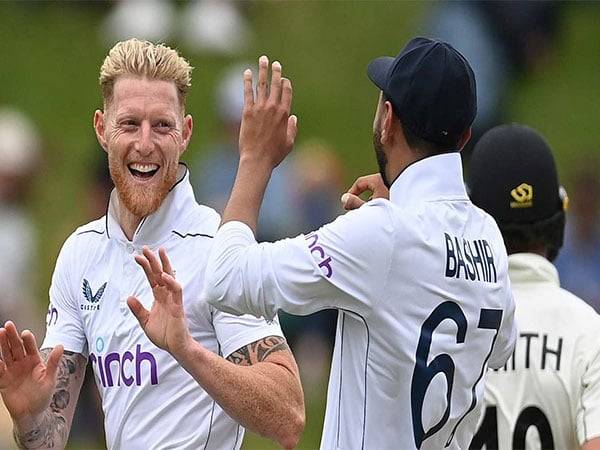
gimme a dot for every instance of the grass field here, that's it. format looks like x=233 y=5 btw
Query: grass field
x=51 y=53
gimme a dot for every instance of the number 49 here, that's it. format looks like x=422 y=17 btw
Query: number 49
x=487 y=435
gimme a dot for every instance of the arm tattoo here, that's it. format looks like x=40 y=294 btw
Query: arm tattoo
x=51 y=428
x=258 y=351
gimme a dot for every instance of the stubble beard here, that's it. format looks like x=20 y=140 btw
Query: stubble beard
x=380 y=156
x=141 y=201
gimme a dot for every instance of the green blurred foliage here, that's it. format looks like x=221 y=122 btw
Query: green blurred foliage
x=50 y=55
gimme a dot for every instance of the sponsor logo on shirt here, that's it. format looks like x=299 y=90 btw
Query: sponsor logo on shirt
x=322 y=258
x=91 y=298
x=126 y=368
x=51 y=315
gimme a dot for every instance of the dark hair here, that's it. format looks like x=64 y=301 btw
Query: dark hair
x=418 y=144
x=548 y=233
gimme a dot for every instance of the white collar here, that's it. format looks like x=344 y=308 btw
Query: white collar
x=531 y=267
x=436 y=177
x=158 y=226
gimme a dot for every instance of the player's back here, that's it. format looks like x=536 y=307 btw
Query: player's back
x=548 y=393
x=408 y=374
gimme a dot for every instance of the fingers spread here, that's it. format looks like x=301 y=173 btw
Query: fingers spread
x=248 y=92
x=286 y=94
x=138 y=310
x=263 y=69
x=275 y=93
x=29 y=343
x=5 y=347
x=15 y=341
x=292 y=130
x=154 y=262
x=145 y=264
x=164 y=259
x=174 y=287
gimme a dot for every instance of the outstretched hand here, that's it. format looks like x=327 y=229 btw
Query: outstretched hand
x=26 y=382
x=369 y=183
x=268 y=130
x=165 y=323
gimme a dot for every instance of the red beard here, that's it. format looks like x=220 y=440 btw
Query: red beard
x=141 y=200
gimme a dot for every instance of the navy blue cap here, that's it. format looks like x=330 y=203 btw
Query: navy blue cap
x=431 y=87
x=513 y=176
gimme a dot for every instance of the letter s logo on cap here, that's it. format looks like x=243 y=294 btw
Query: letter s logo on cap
x=523 y=196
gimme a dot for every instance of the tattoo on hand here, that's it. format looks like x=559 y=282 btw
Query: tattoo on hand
x=258 y=351
x=51 y=428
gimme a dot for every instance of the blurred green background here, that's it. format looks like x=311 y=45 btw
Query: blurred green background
x=50 y=54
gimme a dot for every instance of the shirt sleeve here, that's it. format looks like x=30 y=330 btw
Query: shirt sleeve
x=588 y=414
x=63 y=322
x=234 y=332
x=342 y=265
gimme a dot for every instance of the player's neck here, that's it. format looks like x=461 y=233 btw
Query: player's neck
x=398 y=160
x=128 y=221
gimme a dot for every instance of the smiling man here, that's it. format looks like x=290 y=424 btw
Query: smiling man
x=149 y=399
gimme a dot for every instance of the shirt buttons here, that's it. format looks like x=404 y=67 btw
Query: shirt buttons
x=130 y=248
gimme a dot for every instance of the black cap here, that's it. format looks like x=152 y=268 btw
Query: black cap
x=512 y=176
x=431 y=87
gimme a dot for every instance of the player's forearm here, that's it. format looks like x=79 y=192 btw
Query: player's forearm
x=265 y=397
x=46 y=430
x=248 y=191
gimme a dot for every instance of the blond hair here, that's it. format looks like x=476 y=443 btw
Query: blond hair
x=145 y=59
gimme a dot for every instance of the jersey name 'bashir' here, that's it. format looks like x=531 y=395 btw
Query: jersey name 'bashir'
x=469 y=259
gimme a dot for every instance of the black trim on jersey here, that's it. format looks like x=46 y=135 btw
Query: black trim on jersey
x=183 y=177
x=341 y=372
x=106 y=220
x=90 y=231
x=212 y=411
x=237 y=437
x=183 y=236
x=362 y=446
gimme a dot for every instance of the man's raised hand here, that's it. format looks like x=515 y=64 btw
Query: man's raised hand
x=268 y=130
x=165 y=323
x=369 y=183
x=26 y=382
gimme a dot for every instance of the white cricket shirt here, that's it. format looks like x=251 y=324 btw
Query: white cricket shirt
x=149 y=401
x=425 y=306
x=547 y=395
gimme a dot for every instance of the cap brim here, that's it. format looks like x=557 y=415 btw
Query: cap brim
x=378 y=70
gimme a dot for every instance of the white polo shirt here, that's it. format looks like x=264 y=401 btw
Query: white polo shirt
x=149 y=401
x=425 y=306
x=547 y=395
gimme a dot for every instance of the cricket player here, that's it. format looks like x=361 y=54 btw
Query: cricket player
x=419 y=275
x=150 y=401
x=547 y=395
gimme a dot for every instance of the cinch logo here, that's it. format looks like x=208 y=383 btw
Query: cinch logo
x=91 y=298
x=313 y=246
x=52 y=315
x=523 y=196
x=114 y=365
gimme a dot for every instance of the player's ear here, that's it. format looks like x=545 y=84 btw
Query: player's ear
x=464 y=138
x=388 y=123
x=186 y=132
x=100 y=128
